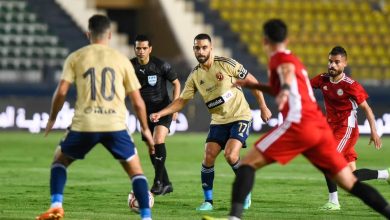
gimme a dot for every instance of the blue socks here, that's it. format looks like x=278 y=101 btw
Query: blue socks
x=57 y=183
x=140 y=189
x=207 y=177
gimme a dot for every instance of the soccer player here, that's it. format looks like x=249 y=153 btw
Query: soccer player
x=231 y=117
x=103 y=79
x=153 y=74
x=343 y=96
x=303 y=131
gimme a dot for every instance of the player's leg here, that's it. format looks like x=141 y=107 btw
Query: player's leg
x=368 y=174
x=215 y=142
x=244 y=180
x=122 y=148
x=133 y=168
x=212 y=150
x=366 y=193
x=152 y=152
x=273 y=146
x=239 y=132
x=333 y=199
x=232 y=153
x=163 y=185
x=75 y=145
x=346 y=138
x=58 y=176
x=334 y=164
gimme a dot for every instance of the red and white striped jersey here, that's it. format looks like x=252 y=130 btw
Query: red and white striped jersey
x=301 y=101
x=341 y=98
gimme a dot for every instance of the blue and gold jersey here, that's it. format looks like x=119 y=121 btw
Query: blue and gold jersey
x=103 y=78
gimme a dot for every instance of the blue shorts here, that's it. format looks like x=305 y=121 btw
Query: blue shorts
x=77 y=144
x=221 y=133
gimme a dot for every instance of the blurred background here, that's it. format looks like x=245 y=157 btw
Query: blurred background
x=37 y=35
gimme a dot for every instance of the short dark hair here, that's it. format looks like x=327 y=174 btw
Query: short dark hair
x=275 y=30
x=203 y=36
x=338 y=50
x=98 y=25
x=142 y=37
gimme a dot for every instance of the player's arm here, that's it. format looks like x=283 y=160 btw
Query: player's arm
x=265 y=112
x=286 y=73
x=57 y=102
x=250 y=84
x=177 y=105
x=140 y=110
x=371 y=121
x=175 y=94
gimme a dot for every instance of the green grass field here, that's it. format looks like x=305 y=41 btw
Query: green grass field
x=97 y=187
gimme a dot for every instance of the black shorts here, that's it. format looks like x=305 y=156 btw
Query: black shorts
x=164 y=121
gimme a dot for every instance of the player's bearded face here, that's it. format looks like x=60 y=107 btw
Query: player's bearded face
x=202 y=49
x=336 y=65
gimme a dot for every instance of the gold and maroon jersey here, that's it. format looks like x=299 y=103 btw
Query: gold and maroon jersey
x=225 y=103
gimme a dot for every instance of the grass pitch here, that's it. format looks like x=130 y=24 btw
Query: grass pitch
x=97 y=187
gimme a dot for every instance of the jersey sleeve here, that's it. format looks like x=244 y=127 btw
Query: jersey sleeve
x=169 y=72
x=358 y=93
x=130 y=79
x=316 y=82
x=189 y=88
x=68 y=73
x=239 y=71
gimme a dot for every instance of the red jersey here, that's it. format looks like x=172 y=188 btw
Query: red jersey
x=301 y=101
x=341 y=98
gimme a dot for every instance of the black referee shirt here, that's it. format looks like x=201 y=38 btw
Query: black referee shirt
x=153 y=79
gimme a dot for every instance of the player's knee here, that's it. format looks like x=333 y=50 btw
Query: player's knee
x=159 y=140
x=209 y=159
x=231 y=158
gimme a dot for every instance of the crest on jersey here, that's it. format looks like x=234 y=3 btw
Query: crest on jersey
x=340 y=92
x=325 y=88
x=152 y=80
x=219 y=76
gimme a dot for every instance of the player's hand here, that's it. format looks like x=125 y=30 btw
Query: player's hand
x=377 y=141
x=174 y=116
x=265 y=114
x=282 y=98
x=149 y=138
x=49 y=126
x=151 y=149
x=154 y=117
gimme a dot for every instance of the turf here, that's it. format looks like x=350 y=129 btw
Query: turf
x=97 y=187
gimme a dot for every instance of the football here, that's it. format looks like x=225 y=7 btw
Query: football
x=133 y=203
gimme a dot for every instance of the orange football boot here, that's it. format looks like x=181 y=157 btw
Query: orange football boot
x=52 y=214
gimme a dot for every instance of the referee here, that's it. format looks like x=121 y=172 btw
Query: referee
x=153 y=73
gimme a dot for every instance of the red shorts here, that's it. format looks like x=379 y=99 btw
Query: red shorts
x=313 y=139
x=346 y=138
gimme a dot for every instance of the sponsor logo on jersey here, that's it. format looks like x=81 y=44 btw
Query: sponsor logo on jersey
x=220 y=100
x=325 y=88
x=152 y=80
x=215 y=102
x=99 y=110
x=340 y=92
